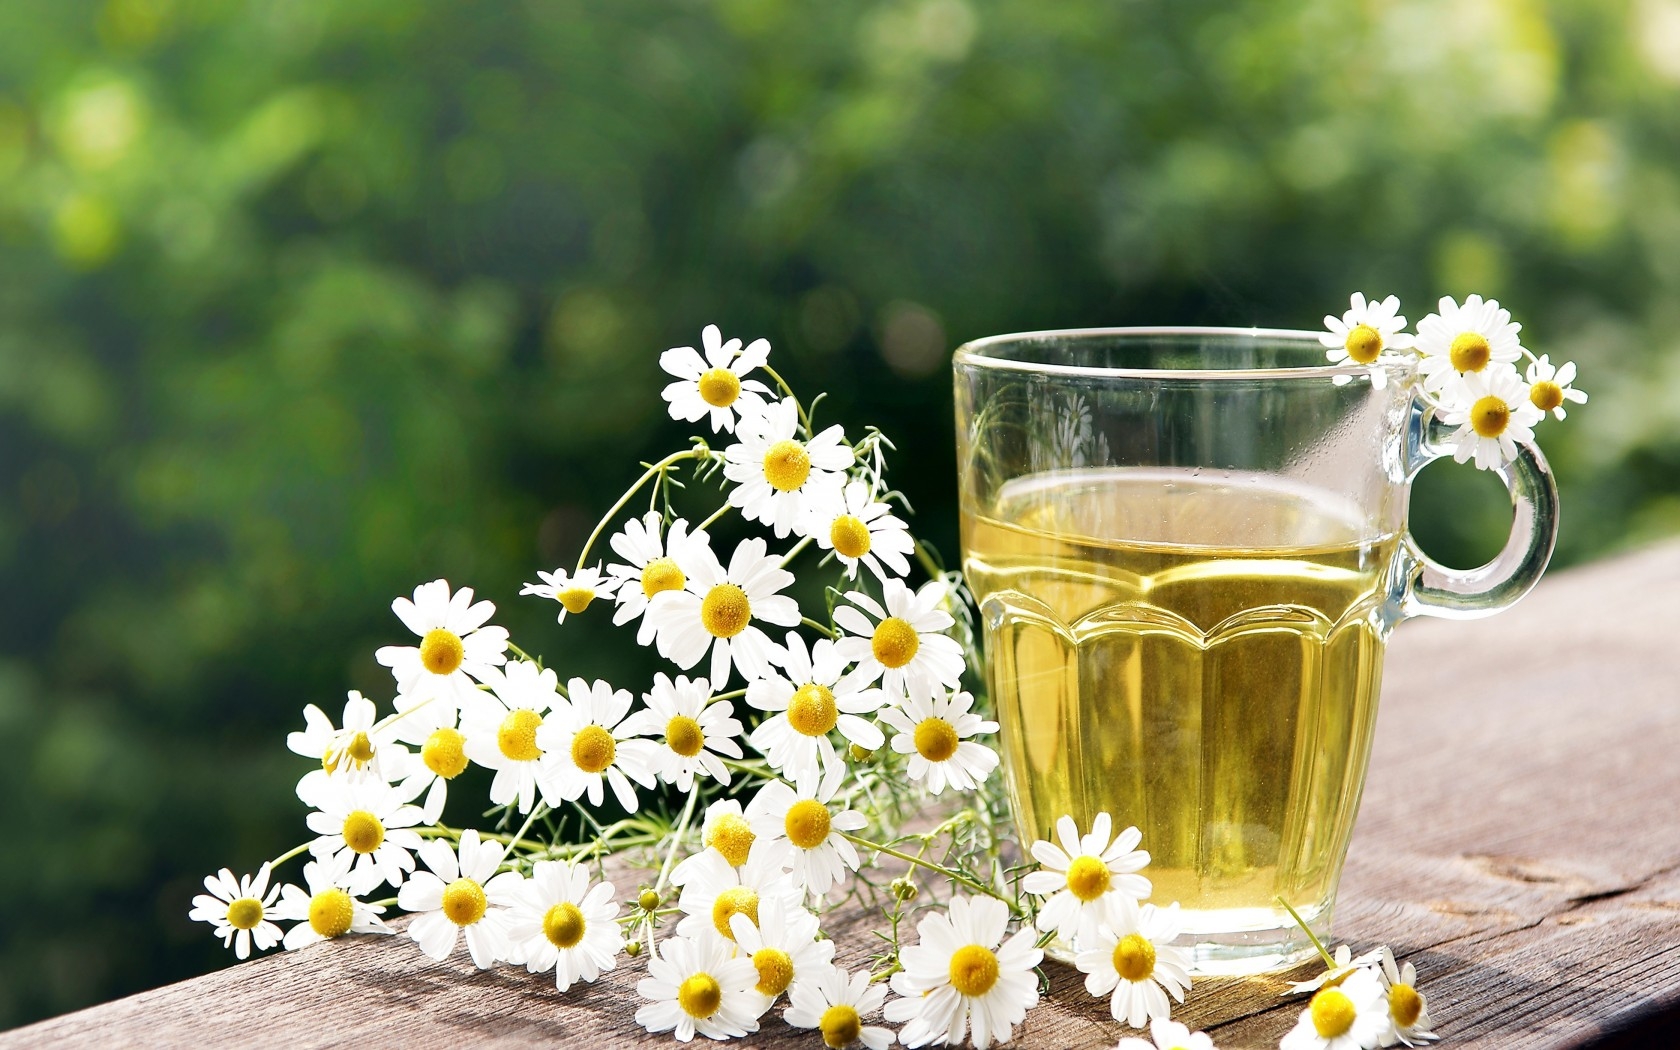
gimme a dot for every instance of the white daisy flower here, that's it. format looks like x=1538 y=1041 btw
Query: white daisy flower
x=564 y=923
x=239 y=910
x=462 y=893
x=327 y=909
x=1352 y=1015
x=696 y=730
x=783 y=947
x=1084 y=877
x=587 y=742
x=455 y=649
x=815 y=698
x=716 y=609
x=797 y=827
x=1345 y=964
x=1364 y=333
x=713 y=891
x=714 y=385
x=777 y=475
x=858 y=528
x=372 y=822
x=655 y=566
x=1408 y=1013
x=699 y=985
x=901 y=644
x=1135 y=964
x=1549 y=388
x=935 y=732
x=1462 y=341
x=1168 y=1035
x=442 y=757
x=500 y=731
x=574 y=591
x=835 y=1003
x=958 y=978
x=359 y=749
x=726 y=834
x=1493 y=414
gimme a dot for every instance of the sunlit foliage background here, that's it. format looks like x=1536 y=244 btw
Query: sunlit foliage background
x=304 y=302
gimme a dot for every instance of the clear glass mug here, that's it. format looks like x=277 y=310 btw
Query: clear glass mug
x=1189 y=547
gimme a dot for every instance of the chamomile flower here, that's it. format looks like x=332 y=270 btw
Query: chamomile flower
x=1344 y=964
x=655 y=566
x=725 y=833
x=935 y=732
x=462 y=893
x=1363 y=334
x=442 y=757
x=588 y=742
x=574 y=591
x=901 y=644
x=1352 y=1015
x=803 y=835
x=359 y=749
x=500 y=732
x=456 y=647
x=696 y=730
x=1168 y=1035
x=858 y=528
x=962 y=977
x=713 y=892
x=1462 y=341
x=777 y=475
x=699 y=985
x=239 y=910
x=714 y=385
x=1134 y=963
x=564 y=923
x=783 y=947
x=373 y=823
x=1549 y=387
x=327 y=909
x=1493 y=414
x=811 y=701
x=1084 y=877
x=835 y=1003
x=717 y=610
x=1408 y=1013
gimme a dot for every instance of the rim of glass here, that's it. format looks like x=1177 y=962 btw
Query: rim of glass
x=973 y=354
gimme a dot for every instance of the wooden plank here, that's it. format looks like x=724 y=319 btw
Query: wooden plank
x=1517 y=841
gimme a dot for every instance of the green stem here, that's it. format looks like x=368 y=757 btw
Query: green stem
x=536 y=810
x=804 y=420
x=733 y=694
x=925 y=560
x=815 y=626
x=1329 y=963
x=289 y=854
x=794 y=552
x=955 y=876
x=713 y=519
x=677 y=834
x=651 y=472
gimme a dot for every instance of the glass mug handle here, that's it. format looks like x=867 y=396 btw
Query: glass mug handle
x=1432 y=589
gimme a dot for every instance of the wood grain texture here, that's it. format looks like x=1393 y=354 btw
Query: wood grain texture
x=1519 y=842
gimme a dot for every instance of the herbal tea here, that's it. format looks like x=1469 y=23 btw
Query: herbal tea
x=1199 y=658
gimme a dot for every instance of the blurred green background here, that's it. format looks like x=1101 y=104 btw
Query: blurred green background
x=303 y=303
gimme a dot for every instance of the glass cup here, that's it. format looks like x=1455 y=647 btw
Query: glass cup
x=1189 y=547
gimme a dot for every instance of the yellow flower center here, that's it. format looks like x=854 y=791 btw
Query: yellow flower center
x=720 y=387
x=850 y=536
x=1332 y=1012
x=935 y=739
x=812 y=710
x=860 y=754
x=662 y=574
x=1134 y=958
x=807 y=823
x=245 y=913
x=445 y=753
x=1405 y=1005
x=738 y=900
x=1363 y=344
x=593 y=749
x=787 y=465
x=464 y=902
x=1088 y=877
x=840 y=1026
x=441 y=651
x=1470 y=352
x=731 y=836
x=362 y=831
x=684 y=736
x=700 y=996
x=1489 y=416
x=725 y=611
x=575 y=599
x=563 y=925
x=973 y=970
x=331 y=912
x=517 y=736
x=775 y=971
x=895 y=642
x=1546 y=395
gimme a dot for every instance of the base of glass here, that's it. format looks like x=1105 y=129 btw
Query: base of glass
x=1238 y=942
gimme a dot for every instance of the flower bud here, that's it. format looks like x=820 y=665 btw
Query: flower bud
x=904 y=889
x=648 y=901
x=632 y=948
x=860 y=754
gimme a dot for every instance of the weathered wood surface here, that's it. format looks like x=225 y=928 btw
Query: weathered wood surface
x=1519 y=841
